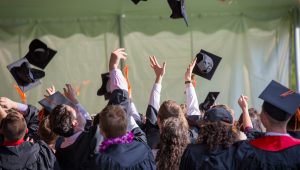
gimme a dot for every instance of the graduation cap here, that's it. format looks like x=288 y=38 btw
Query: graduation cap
x=178 y=10
x=137 y=1
x=25 y=76
x=39 y=54
x=206 y=64
x=209 y=100
x=104 y=89
x=50 y=102
x=218 y=114
x=281 y=97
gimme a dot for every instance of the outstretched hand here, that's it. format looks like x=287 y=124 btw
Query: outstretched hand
x=189 y=70
x=243 y=102
x=115 y=58
x=7 y=104
x=70 y=93
x=158 y=70
x=50 y=91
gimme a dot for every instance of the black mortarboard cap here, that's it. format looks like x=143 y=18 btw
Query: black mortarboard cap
x=209 y=100
x=50 y=102
x=104 y=87
x=178 y=10
x=25 y=76
x=218 y=114
x=281 y=97
x=206 y=64
x=39 y=54
x=137 y=1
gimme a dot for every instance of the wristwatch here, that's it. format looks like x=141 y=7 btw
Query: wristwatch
x=187 y=82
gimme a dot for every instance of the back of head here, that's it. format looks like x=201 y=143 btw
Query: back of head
x=45 y=133
x=168 y=109
x=13 y=126
x=113 y=121
x=217 y=130
x=61 y=121
x=174 y=138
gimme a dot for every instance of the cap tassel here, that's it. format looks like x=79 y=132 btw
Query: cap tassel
x=125 y=70
x=297 y=119
x=22 y=95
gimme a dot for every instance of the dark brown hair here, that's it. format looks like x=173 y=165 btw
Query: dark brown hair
x=45 y=133
x=113 y=121
x=13 y=125
x=174 y=138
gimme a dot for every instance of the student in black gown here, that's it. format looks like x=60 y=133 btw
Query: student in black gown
x=276 y=149
x=15 y=153
x=213 y=148
x=120 y=150
x=174 y=137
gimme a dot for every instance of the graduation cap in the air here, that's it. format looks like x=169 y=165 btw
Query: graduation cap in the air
x=50 y=102
x=39 y=54
x=104 y=87
x=209 y=100
x=178 y=10
x=25 y=76
x=281 y=97
x=137 y=1
x=206 y=64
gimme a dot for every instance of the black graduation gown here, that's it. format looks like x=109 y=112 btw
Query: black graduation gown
x=27 y=155
x=133 y=156
x=197 y=156
x=81 y=151
x=268 y=152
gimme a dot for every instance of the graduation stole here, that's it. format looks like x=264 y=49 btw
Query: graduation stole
x=127 y=138
x=274 y=143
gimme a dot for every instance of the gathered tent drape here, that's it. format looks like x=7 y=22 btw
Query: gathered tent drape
x=253 y=51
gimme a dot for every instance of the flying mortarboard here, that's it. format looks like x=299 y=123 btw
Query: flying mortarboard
x=282 y=98
x=39 y=54
x=104 y=87
x=25 y=76
x=50 y=102
x=209 y=100
x=178 y=10
x=206 y=64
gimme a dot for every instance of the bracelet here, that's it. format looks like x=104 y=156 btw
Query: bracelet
x=187 y=82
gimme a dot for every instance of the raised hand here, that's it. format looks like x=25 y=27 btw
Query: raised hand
x=158 y=70
x=115 y=58
x=50 y=91
x=243 y=102
x=7 y=104
x=70 y=93
x=189 y=70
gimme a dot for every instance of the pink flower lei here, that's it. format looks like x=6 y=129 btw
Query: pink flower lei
x=127 y=138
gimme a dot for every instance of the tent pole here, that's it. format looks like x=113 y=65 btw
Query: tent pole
x=297 y=49
x=121 y=36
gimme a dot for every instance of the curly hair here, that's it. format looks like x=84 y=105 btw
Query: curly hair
x=174 y=138
x=61 y=121
x=217 y=134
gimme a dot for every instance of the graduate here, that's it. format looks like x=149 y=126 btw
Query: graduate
x=276 y=149
x=120 y=150
x=15 y=153
x=216 y=136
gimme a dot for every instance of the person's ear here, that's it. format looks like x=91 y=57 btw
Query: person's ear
x=102 y=133
x=26 y=132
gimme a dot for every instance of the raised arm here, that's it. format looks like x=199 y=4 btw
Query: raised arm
x=243 y=103
x=191 y=96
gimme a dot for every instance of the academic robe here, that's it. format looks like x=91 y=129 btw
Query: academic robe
x=198 y=157
x=27 y=156
x=268 y=152
x=294 y=134
x=76 y=155
x=133 y=156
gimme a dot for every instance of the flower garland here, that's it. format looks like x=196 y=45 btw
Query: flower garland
x=127 y=138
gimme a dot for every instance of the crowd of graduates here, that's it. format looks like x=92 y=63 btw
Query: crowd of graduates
x=170 y=136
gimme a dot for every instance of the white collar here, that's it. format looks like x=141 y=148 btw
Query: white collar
x=276 y=134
